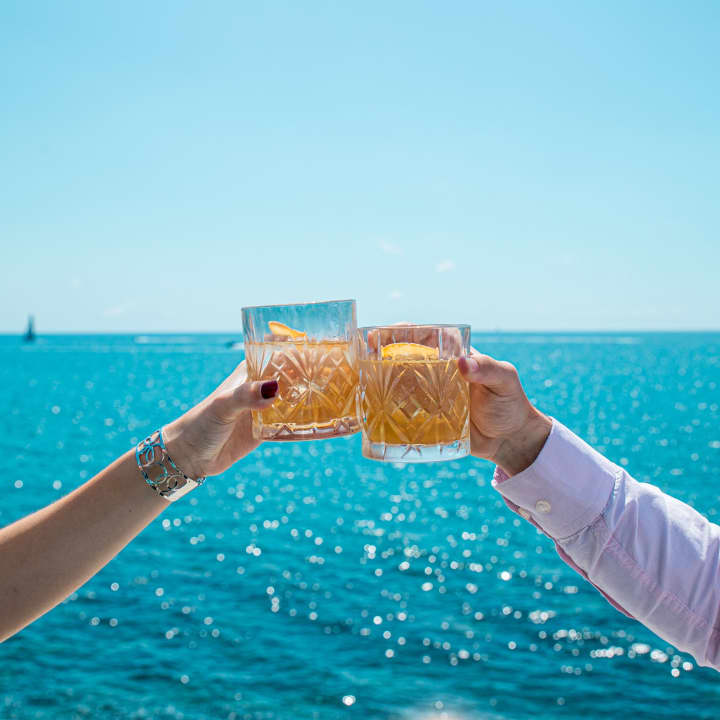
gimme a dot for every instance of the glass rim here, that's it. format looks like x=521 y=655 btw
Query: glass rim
x=439 y=326
x=294 y=305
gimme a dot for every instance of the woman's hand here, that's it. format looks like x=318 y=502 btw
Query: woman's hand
x=504 y=426
x=217 y=432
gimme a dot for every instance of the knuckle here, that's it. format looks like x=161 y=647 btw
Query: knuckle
x=219 y=406
x=245 y=391
x=217 y=401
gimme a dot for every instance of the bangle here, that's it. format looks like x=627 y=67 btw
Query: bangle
x=159 y=470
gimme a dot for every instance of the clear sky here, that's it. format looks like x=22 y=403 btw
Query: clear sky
x=515 y=165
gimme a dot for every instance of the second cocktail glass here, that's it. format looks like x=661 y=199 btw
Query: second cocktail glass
x=413 y=404
x=310 y=350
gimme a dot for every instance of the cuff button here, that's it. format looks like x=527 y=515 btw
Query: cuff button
x=543 y=506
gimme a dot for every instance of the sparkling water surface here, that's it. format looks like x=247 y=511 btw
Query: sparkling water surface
x=307 y=582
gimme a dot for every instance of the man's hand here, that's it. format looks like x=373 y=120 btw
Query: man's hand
x=504 y=426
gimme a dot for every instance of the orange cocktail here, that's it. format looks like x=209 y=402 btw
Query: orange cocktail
x=314 y=363
x=412 y=401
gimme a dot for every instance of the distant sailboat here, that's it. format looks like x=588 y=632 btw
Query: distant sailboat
x=29 y=335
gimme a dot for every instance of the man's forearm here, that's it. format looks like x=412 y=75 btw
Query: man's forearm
x=652 y=556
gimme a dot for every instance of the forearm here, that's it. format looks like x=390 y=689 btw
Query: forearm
x=659 y=560
x=46 y=556
x=652 y=556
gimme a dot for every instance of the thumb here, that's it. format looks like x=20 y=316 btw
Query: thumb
x=484 y=370
x=246 y=396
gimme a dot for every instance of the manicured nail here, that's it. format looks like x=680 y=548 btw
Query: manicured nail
x=269 y=389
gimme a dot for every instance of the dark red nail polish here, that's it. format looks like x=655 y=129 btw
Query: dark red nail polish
x=269 y=389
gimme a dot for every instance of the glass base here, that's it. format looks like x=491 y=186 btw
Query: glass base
x=293 y=432
x=416 y=453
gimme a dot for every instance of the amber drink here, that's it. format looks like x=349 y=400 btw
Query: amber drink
x=310 y=350
x=412 y=402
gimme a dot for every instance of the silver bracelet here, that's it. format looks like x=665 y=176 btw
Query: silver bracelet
x=159 y=470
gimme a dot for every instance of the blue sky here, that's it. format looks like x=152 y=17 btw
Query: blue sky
x=515 y=165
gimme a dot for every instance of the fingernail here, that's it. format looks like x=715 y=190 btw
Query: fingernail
x=269 y=389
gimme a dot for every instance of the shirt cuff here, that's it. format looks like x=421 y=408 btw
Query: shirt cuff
x=565 y=489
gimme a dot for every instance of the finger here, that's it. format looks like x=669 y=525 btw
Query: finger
x=481 y=445
x=451 y=342
x=247 y=396
x=484 y=370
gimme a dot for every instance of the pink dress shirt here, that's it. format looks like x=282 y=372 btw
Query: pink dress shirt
x=653 y=557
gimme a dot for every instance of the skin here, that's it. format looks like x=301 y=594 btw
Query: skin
x=505 y=428
x=46 y=556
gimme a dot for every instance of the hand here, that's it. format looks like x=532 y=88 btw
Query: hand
x=217 y=432
x=504 y=426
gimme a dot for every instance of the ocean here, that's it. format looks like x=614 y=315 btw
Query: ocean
x=307 y=582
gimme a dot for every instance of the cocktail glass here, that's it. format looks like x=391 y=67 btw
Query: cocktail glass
x=310 y=349
x=412 y=402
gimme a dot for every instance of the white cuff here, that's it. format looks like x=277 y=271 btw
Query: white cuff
x=566 y=488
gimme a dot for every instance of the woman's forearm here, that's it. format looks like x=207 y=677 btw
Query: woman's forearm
x=46 y=556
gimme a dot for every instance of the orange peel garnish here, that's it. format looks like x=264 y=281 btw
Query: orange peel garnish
x=409 y=351
x=278 y=328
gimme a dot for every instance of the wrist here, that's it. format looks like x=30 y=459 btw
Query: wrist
x=517 y=452
x=180 y=449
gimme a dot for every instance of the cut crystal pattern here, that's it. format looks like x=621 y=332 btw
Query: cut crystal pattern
x=317 y=382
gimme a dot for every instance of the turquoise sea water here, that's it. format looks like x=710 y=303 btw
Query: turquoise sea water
x=307 y=575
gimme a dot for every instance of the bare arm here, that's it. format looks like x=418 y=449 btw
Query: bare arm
x=45 y=556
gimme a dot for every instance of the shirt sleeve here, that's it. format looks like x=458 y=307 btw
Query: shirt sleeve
x=653 y=557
